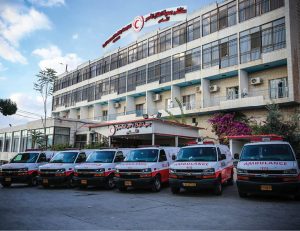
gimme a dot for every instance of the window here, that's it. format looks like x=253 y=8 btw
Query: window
x=153 y=45
x=153 y=71
x=142 y=50
x=105 y=86
x=136 y=77
x=193 y=29
x=61 y=135
x=250 y=43
x=93 y=70
x=114 y=61
x=162 y=156
x=188 y=101
x=81 y=158
x=139 y=108
x=278 y=88
x=165 y=40
x=132 y=54
x=192 y=60
x=232 y=93
x=119 y=157
x=178 y=66
x=42 y=158
x=179 y=35
x=122 y=58
x=104 y=115
x=114 y=84
x=106 y=64
x=165 y=70
x=122 y=83
x=228 y=51
x=210 y=55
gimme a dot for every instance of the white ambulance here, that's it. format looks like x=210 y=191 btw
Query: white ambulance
x=23 y=168
x=200 y=166
x=99 y=168
x=145 y=168
x=60 y=169
x=268 y=167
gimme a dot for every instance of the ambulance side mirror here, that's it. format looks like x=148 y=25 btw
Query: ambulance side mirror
x=173 y=157
x=223 y=157
x=236 y=156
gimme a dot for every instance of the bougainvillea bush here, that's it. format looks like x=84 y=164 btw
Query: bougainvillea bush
x=229 y=124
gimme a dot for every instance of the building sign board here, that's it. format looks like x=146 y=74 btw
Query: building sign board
x=167 y=15
x=143 y=127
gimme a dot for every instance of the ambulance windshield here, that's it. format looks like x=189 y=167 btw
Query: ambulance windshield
x=142 y=155
x=64 y=157
x=197 y=154
x=268 y=152
x=25 y=158
x=101 y=157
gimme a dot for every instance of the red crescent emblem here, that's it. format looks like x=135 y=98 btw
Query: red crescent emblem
x=138 y=23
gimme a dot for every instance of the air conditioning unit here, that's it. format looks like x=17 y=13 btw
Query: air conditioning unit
x=213 y=88
x=256 y=81
x=198 y=89
x=117 y=105
x=156 y=97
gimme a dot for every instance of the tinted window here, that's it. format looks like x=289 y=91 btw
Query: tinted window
x=273 y=152
x=162 y=156
x=142 y=155
x=42 y=158
x=64 y=157
x=101 y=157
x=25 y=158
x=197 y=154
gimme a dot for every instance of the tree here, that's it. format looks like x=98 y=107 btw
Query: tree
x=276 y=124
x=44 y=85
x=8 y=107
x=37 y=139
x=182 y=116
x=229 y=124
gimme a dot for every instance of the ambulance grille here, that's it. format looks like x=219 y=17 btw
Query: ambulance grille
x=266 y=180
x=130 y=170
x=265 y=171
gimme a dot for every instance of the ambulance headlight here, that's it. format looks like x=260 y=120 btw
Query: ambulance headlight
x=172 y=171
x=61 y=170
x=100 y=170
x=290 y=171
x=240 y=171
x=23 y=169
x=146 y=170
x=117 y=170
x=209 y=171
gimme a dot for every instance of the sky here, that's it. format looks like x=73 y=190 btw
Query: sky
x=35 y=34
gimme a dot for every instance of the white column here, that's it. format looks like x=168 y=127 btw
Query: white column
x=130 y=104
x=19 y=143
x=205 y=101
x=97 y=112
x=153 y=139
x=176 y=141
x=175 y=93
x=243 y=84
x=73 y=113
x=84 y=112
x=150 y=104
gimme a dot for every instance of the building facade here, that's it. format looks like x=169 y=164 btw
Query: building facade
x=236 y=55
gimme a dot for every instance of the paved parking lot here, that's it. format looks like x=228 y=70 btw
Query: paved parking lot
x=23 y=207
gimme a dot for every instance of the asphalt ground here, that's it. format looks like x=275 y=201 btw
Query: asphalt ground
x=23 y=207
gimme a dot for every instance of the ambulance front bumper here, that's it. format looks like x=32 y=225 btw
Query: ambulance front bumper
x=193 y=184
x=136 y=183
x=93 y=181
x=54 y=180
x=15 y=179
x=268 y=188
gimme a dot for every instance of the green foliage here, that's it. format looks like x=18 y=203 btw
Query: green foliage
x=7 y=107
x=37 y=139
x=60 y=147
x=275 y=124
x=181 y=118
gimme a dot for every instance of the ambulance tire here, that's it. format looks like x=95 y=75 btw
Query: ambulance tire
x=230 y=180
x=175 y=190
x=156 y=185
x=218 y=188
x=122 y=189
x=6 y=184
x=110 y=183
x=45 y=186
x=33 y=181
x=71 y=183
x=242 y=194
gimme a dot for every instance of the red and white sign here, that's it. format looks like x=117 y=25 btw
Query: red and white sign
x=131 y=128
x=167 y=15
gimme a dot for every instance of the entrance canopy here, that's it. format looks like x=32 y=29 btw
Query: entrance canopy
x=151 y=131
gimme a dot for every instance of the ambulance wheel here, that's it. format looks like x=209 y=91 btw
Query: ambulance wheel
x=110 y=183
x=6 y=184
x=71 y=183
x=33 y=181
x=218 y=188
x=175 y=190
x=156 y=186
x=230 y=180
x=122 y=189
x=242 y=194
x=46 y=186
